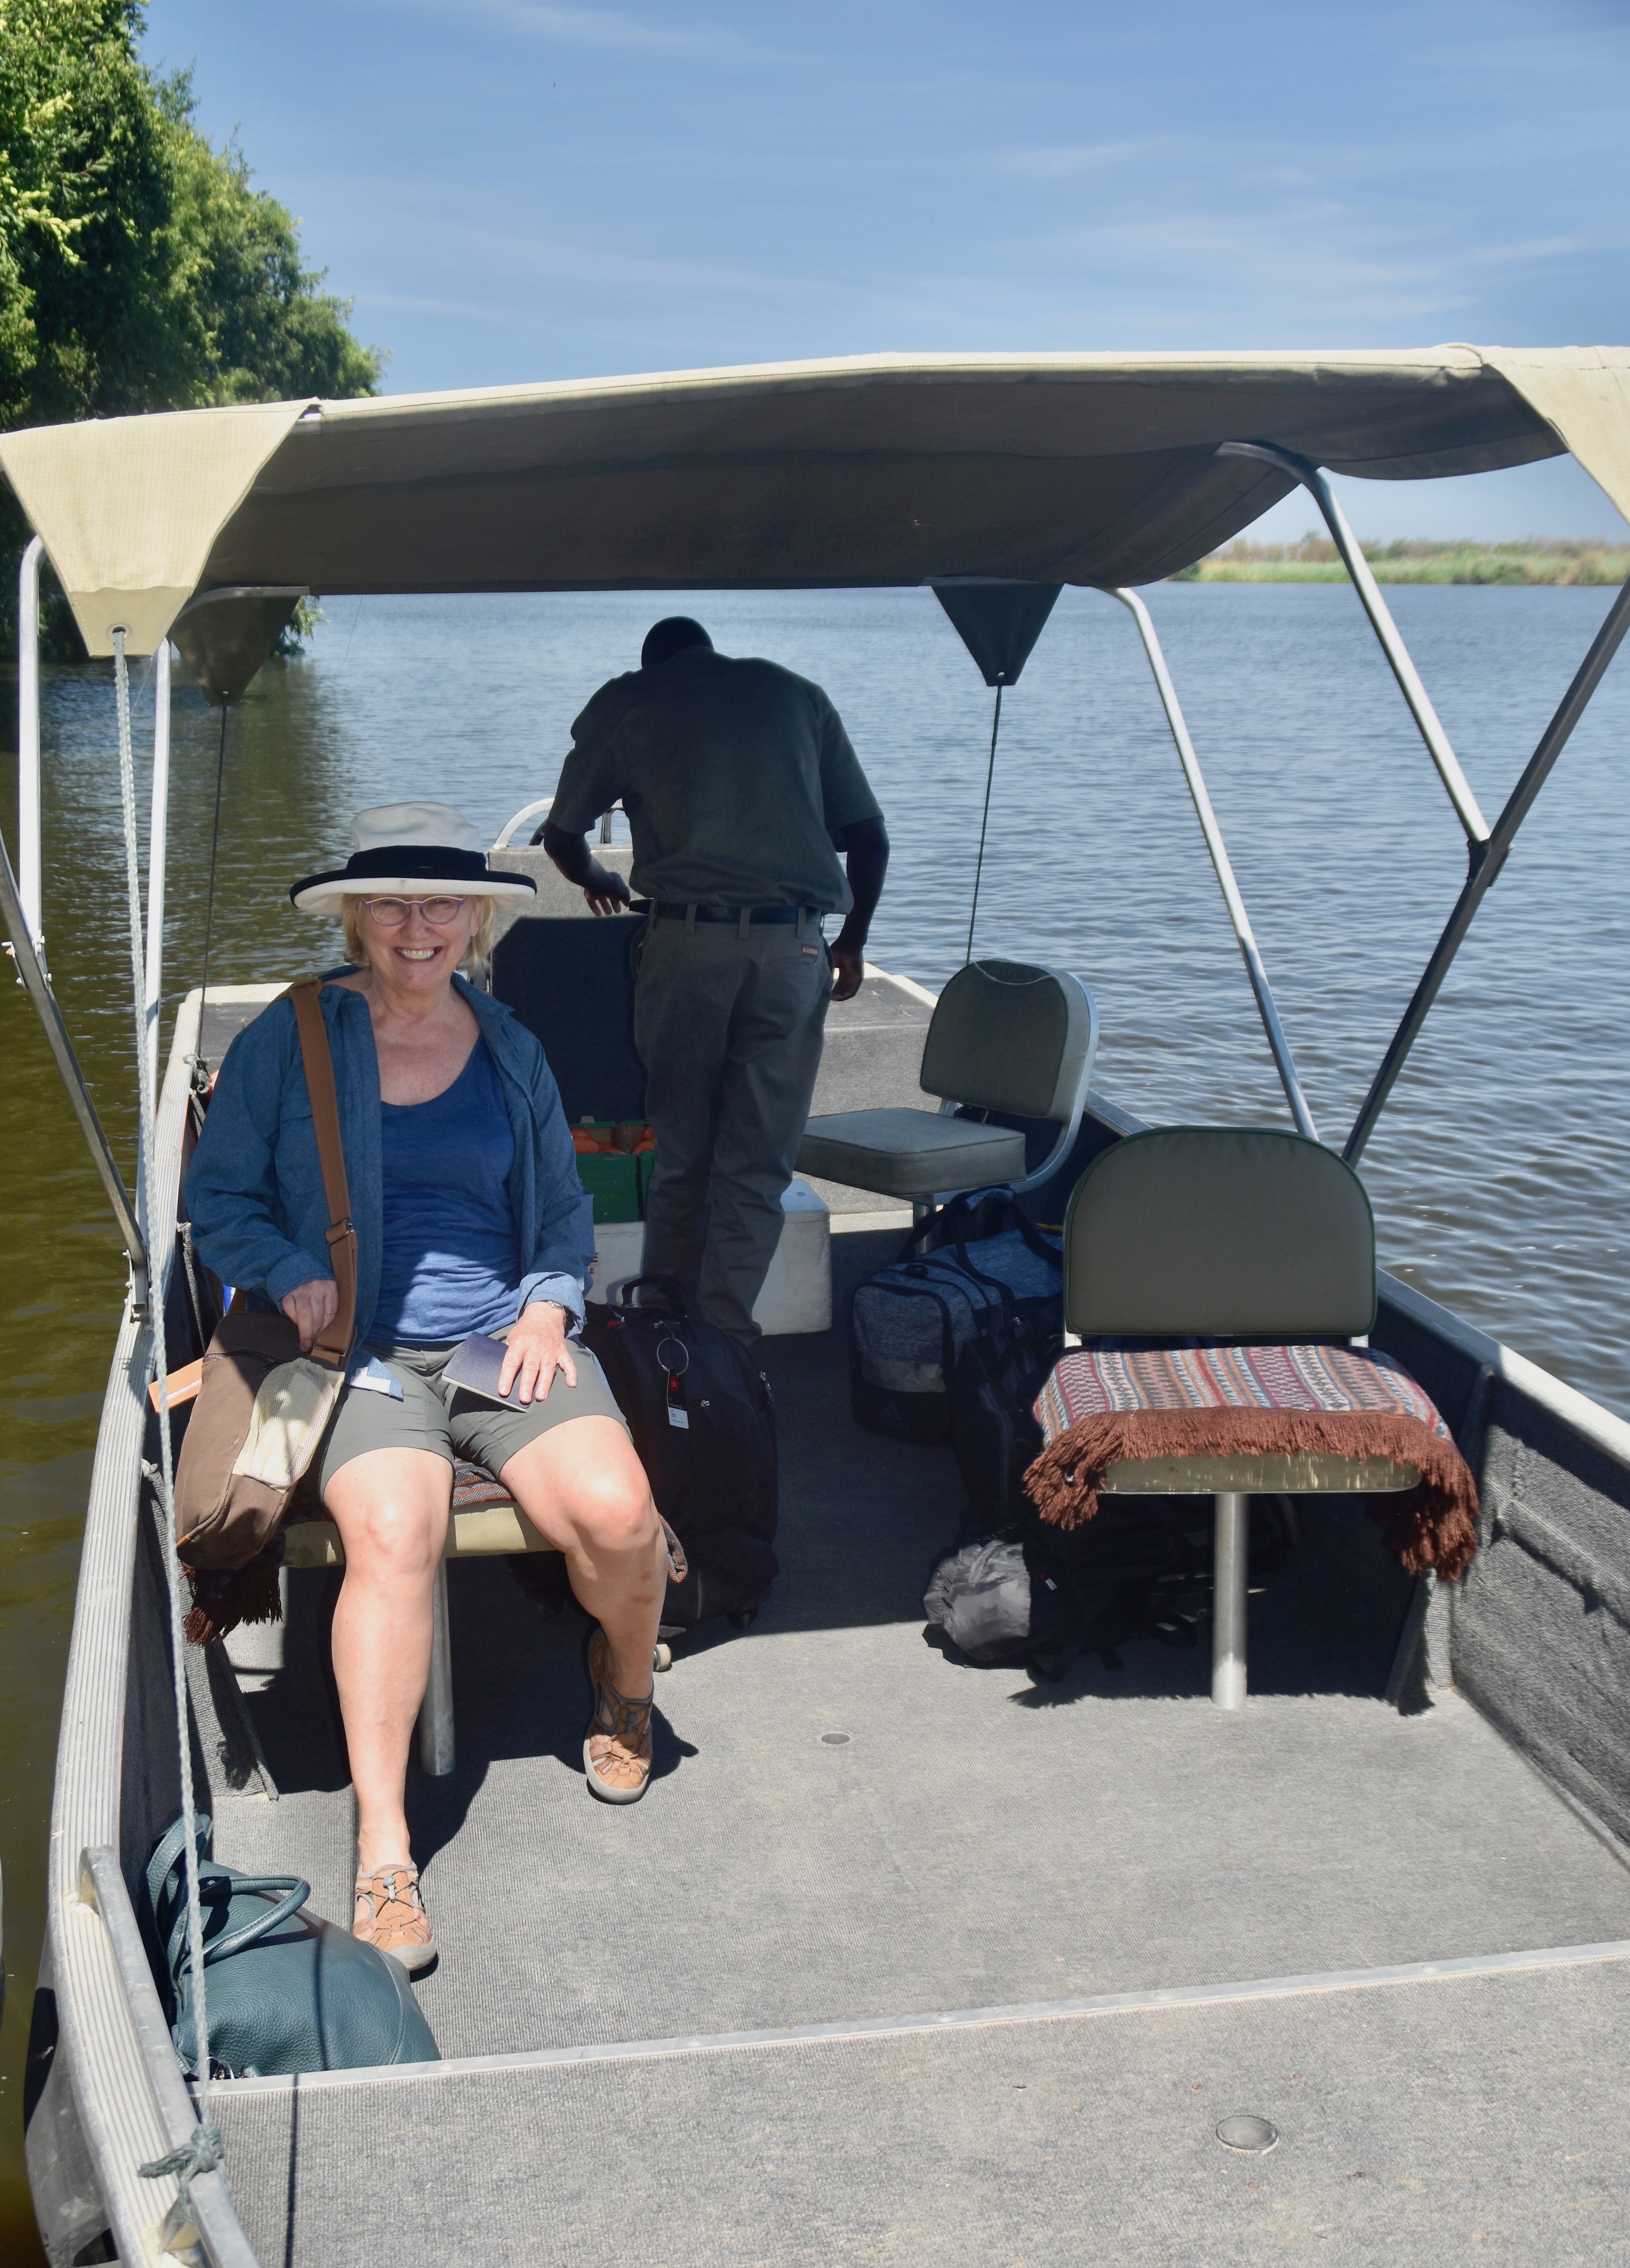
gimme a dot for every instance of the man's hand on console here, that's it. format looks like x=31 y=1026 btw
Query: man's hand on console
x=311 y=1307
x=607 y=893
x=536 y=1349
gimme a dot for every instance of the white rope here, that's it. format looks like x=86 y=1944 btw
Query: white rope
x=203 y=2150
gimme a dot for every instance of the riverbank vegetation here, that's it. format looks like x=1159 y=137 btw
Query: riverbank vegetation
x=140 y=268
x=1315 y=560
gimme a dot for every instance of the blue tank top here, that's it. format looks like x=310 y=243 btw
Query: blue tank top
x=450 y=1265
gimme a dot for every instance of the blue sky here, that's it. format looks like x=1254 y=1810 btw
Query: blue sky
x=511 y=190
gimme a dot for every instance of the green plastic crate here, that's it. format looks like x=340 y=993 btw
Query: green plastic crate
x=613 y=1182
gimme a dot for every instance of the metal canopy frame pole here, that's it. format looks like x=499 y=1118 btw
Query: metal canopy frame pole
x=28 y=861
x=156 y=840
x=1486 y=869
x=1283 y=1059
x=1374 y=605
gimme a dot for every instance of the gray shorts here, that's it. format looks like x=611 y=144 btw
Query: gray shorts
x=450 y=1423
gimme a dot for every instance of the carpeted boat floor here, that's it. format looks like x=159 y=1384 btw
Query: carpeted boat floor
x=1477 y=2119
x=971 y=1838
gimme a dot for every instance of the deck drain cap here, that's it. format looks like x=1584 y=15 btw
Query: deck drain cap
x=835 y=1739
x=1245 y=2132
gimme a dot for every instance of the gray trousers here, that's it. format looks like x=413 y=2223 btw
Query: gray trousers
x=730 y=1030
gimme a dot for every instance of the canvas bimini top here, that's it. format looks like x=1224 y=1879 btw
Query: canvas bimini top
x=1098 y=470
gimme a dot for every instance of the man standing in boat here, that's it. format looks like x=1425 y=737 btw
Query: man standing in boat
x=741 y=789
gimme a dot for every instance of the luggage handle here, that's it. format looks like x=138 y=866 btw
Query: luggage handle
x=680 y=1294
x=161 y=1889
x=179 y=1953
x=961 y=1207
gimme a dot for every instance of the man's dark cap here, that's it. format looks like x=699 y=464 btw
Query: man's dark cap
x=671 y=636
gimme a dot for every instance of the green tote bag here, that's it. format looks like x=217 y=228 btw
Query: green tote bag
x=287 y=1991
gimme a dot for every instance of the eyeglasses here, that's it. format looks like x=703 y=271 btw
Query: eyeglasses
x=391 y=913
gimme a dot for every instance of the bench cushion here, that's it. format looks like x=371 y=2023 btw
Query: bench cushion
x=486 y=1524
x=909 y=1154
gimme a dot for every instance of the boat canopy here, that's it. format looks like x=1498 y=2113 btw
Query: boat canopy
x=1098 y=470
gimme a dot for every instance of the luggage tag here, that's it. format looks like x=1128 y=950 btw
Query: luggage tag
x=371 y=1376
x=677 y=1414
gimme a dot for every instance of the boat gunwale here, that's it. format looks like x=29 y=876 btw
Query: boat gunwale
x=113 y=2090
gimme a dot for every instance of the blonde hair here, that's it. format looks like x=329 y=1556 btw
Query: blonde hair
x=480 y=948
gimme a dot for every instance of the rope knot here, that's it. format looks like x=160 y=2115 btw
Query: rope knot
x=200 y=2154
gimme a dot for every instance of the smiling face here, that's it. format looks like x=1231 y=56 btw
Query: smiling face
x=416 y=955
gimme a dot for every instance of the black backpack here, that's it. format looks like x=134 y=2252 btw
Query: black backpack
x=1140 y=1567
x=704 y=1428
x=994 y=1433
x=1041 y=1595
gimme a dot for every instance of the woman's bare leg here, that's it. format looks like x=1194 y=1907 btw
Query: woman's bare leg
x=390 y=1507
x=586 y=1492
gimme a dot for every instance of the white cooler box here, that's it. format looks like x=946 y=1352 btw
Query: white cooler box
x=797 y=1291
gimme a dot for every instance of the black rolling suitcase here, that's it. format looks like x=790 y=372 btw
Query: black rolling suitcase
x=704 y=1428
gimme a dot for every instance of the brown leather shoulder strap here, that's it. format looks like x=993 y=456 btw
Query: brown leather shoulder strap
x=335 y=1344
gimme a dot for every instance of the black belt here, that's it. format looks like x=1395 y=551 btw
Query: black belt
x=756 y=915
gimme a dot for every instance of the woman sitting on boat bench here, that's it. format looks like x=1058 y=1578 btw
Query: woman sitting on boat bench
x=469 y=1217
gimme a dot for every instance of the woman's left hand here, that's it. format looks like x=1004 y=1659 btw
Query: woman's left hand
x=536 y=1349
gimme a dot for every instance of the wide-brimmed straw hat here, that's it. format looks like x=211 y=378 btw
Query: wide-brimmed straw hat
x=409 y=849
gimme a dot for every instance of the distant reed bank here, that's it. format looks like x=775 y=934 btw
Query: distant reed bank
x=1314 y=560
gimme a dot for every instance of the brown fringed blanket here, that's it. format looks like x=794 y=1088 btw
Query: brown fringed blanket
x=1104 y=1404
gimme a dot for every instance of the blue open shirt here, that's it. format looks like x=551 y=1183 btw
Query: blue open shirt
x=255 y=1190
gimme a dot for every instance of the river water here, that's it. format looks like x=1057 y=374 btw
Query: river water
x=1498 y=1171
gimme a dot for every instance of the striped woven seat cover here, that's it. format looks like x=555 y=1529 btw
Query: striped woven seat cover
x=1106 y=1404
x=473 y=1487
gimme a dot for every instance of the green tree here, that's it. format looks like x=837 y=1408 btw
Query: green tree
x=139 y=267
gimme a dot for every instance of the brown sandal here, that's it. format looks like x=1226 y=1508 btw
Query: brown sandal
x=617 y=1748
x=391 y=1916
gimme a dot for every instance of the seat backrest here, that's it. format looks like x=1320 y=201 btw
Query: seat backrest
x=571 y=983
x=1008 y=1037
x=1219 y=1231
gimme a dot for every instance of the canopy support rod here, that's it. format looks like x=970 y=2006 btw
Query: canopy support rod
x=1484 y=873
x=157 y=835
x=1386 y=629
x=1284 y=1061
x=32 y=971
x=28 y=860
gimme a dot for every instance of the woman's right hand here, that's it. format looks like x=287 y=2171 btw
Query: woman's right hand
x=311 y=1307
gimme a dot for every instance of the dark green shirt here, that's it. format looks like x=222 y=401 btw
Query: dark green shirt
x=738 y=778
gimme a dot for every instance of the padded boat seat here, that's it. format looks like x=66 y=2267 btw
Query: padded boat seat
x=1004 y=1036
x=490 y=1531
x=1211 y=1276
x=486 y=1524
x=909 y=1154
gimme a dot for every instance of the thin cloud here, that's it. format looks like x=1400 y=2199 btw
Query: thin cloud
x=1069 y=163
x=606 y=28
x=460 y=310
x=1547 y=247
